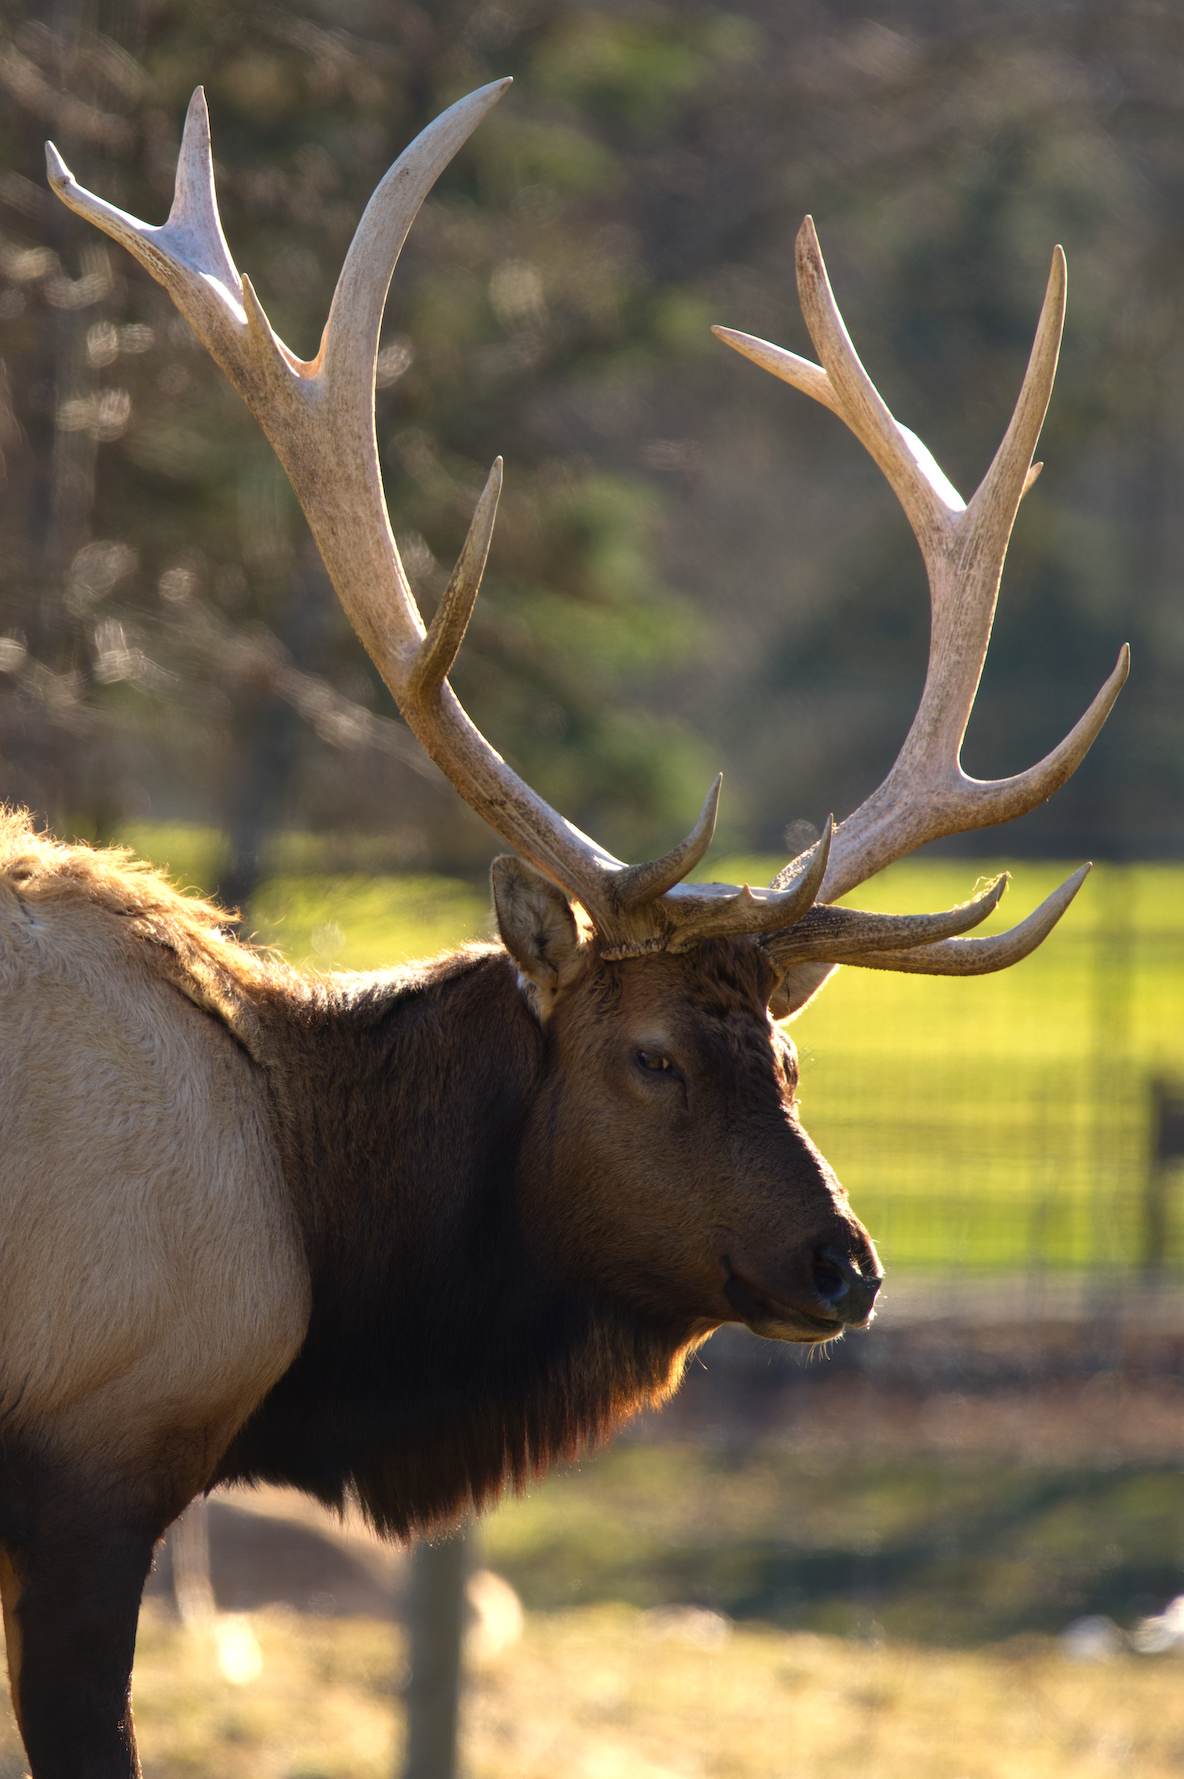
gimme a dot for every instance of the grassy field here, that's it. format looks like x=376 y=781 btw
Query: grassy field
x=1000 y=1123
x=613 y=1692
x=1003 y=1122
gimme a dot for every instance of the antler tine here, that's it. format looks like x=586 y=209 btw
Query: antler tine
x=992 y=509
x=924 y=493
x=194 y=211
x=692 y=912
x=188 y=253
x=836 y=935
x=447 y=629
x=638 y=884
x=977 y=957
x=927 y=794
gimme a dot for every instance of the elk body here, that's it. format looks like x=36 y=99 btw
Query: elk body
x=416 y=1235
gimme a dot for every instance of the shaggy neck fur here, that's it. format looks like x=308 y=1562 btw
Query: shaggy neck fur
x=446 y=1355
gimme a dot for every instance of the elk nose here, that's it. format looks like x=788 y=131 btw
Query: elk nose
x=847 y=1293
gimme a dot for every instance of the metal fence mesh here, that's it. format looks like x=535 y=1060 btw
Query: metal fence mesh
x=1021 y=1122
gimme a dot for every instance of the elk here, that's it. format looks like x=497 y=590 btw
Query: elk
x=416 y=1235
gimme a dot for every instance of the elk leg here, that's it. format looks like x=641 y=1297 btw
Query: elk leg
x=75 y=1606
x=10 y=1593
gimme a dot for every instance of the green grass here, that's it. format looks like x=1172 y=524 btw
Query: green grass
x=1003 y=1122
x=950 y=1550
x=364 y=923
x=194 y=857
x=990 y=1124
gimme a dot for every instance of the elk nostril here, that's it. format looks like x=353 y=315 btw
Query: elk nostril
x=829 y=1281
x=842 y=1287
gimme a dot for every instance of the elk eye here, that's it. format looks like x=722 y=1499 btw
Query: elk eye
x=654 y=1059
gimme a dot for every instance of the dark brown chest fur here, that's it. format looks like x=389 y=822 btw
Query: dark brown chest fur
x=446 y=1353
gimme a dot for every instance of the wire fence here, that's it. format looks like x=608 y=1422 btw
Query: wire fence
x=1028 y=1122
x=1014 y=1124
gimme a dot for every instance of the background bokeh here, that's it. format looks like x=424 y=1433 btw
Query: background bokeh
x=693 y=565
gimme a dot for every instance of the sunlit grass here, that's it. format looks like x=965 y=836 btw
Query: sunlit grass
x=644 y=1700
x=364 y=923
x=193 y=856
x=320 y=1708
x=612 y=1692
x=1003 y=1121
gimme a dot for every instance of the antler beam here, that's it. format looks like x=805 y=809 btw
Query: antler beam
x=927 y=794
x=319 y=418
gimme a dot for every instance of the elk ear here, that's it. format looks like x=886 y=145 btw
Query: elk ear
x=797 y=988
x=538 y=929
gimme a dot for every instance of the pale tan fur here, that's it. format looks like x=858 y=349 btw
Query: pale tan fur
x=152 y=1281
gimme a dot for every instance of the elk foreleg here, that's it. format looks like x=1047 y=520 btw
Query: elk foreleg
x=71 y=1602
x=10 y=1593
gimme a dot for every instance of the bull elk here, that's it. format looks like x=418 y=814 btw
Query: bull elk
x=416 y=1235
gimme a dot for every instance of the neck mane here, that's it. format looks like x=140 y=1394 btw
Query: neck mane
x=446 y=1356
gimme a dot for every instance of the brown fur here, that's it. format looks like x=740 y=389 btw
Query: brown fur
x=411 y=1235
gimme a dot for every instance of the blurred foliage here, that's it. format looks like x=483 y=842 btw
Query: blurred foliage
x=171 y=644
x=168 y=643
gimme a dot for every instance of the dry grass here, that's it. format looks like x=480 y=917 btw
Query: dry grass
x=610 y=1692
x=763 y=1703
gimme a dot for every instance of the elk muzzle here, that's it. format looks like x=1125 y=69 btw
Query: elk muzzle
x=832 y=1287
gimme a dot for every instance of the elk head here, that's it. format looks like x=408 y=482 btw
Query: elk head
x=665 y=992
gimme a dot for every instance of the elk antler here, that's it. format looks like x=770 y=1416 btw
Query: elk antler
x=319 y=417
x=927 y=794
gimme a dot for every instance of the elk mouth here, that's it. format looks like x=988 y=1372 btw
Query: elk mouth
x=775 y=1319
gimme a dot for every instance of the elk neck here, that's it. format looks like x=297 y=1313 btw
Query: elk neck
x=447 y=1354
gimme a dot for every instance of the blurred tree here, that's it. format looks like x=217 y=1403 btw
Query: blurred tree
x=171 y=643
x=166 y=637
x=943 y=152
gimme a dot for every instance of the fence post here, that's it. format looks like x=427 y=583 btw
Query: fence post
x=1167 y=1146
x=435 y=1616
x=189 y=1546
